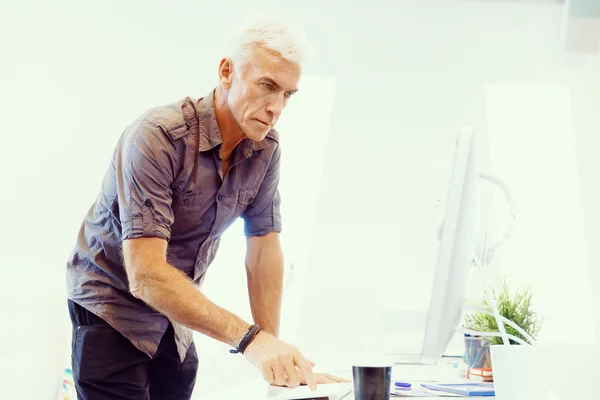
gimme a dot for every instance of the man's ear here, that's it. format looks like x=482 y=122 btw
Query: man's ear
x=226 y=73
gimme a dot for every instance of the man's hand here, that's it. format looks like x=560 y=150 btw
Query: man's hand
x=280 y=363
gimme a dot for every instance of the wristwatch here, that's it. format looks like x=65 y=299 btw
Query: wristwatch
x=246 y=339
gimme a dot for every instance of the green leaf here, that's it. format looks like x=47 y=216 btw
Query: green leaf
x=516 y=306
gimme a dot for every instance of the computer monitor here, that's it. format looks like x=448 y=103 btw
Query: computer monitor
x=457 y=240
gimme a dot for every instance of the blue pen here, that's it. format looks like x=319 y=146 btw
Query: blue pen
x=402 y=384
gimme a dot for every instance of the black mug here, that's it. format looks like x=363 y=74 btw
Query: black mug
x=372 y=383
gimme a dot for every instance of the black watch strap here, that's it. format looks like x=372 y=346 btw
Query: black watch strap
x=246 y=339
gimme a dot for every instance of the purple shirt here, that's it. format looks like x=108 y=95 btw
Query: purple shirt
x=165 y=180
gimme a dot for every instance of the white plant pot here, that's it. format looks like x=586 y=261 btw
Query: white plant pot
x=520 y=373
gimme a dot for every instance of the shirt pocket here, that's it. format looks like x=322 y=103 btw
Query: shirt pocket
x=187 y=211
x=246 y=197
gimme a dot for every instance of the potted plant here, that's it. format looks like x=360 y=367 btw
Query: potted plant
x=514 y=305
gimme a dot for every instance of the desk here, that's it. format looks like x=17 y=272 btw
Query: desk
x=575 y=364
x=257 y=389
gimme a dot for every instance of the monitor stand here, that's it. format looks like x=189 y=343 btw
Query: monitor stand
x=413 y=359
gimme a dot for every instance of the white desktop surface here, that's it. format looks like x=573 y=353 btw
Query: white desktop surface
x=576 y=365
x=258 y=389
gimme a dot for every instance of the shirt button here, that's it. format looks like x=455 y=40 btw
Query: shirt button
x=220 y=197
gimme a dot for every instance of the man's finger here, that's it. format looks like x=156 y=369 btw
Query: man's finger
x=278 y=373
x=305 y=366
x=322 y=379
x=267 y=374
x=287 y=363
x=336 y=379
x=302 y=377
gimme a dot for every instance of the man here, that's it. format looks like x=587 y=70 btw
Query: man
x=179 y=176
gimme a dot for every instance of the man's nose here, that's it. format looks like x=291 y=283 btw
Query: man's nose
x=275 y=104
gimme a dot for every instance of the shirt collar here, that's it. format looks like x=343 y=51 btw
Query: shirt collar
x=210 y=136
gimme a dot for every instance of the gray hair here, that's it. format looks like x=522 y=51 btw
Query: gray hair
x=269 y=32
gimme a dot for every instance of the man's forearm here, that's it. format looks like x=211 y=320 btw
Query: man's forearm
x=170 y=292
x=265 y=287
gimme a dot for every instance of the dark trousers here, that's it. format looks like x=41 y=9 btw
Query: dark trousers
x=107 y=366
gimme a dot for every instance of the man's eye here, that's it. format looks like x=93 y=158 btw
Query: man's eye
x=268 y=86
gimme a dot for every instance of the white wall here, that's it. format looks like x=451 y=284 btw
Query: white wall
x=426 y=72
x=532 y=126
x=407 y=75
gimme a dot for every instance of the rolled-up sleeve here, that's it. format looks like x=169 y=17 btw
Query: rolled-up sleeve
x=145 y=164
x=263 y=215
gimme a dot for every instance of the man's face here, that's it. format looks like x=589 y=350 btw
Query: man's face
x=260 y=90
